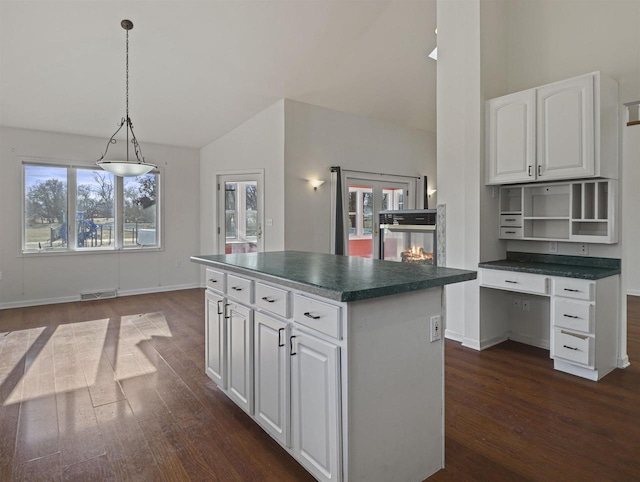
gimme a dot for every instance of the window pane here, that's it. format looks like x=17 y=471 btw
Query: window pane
x=353 y=201
x=95 y=208
x=367 y=212
x=385 y=201
x=140 y=210
x=231 y=225
x=45 y=222
x=230 y=196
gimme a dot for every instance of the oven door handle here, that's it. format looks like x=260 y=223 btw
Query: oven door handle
x=408 y=227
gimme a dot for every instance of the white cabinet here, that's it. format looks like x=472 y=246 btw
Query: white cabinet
x=315 y=393
x=215 y=332
x=564 y=130
x=583 y=326
x=511 y=145
x=575 y=211
x=272 y=376
x=240 y=355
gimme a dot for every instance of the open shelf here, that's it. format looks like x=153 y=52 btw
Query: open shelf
x=579 y=211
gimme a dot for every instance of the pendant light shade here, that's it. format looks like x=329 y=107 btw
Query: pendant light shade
x=126 y=168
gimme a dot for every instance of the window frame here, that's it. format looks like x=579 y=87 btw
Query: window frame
x=72 y=234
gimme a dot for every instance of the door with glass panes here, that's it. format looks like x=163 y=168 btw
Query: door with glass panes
x=365 y=200
x=240 y=201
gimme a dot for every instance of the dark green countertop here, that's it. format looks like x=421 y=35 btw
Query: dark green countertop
x=340 y=278
x=581 y=267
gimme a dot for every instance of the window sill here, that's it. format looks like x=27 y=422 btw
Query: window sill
x=85 y=251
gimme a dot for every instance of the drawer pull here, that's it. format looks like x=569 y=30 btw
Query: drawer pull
x=268 y=300
x=570 y=347
x=572 y=290
x=571 y=316
x=510 y=232
x=211 y=280
x=291 y=346
x=512 y=282
x=313 y=317
x=510 y=219
x=529 y=170
x=280 y=330
x=235 y=288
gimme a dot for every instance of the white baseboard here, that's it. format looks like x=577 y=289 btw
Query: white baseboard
x=453 y=335
x=623 y=362
x=529 y=340
x=633 y=292
x=70 y=299
x=473 y=344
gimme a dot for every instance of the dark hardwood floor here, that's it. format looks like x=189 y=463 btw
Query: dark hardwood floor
x=116 y=390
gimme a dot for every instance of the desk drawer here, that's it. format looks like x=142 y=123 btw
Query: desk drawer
x=317 y=315
x=272 y=299
x=573 y=347
x=511 y=220
x=573 y=315
x=240 y=289
x=514 y=281
x=574 y=288
x=510 y=232
x=215 y=280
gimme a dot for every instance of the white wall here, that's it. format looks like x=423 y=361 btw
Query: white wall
x=256 y=144
x=47 y=278
x=317 y=138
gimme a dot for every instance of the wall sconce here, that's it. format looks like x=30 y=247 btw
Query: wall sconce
x=431 y=192
x=316 y=183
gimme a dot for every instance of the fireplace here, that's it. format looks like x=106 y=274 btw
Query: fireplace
x=408 y=236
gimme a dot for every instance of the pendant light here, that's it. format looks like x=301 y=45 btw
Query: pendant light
x=126 y=168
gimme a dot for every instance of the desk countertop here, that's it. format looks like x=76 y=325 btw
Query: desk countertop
x=340 y=278
x=589 y=268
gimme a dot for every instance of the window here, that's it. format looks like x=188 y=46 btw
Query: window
x=78 y=208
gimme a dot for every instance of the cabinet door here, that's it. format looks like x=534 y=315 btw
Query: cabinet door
x=315 y=415
x=272 y=376
x=511 y=138
x=240 y=355
x=565 y=145
x=215 y=336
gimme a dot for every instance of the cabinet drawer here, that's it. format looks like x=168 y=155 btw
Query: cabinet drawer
x=572 y=288
x=240 y=289
x=513 y=281
x=573 y=347
x=510 y=232
x=511 y=220
x=272 y=299
x=574 y=315
x=317 y=315
x=215 y=280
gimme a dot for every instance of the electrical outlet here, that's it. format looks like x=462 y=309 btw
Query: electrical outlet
x=435 y=328
x=583 y=249
x=553 y=246
x=517 y=304
x=525 y=305
x=269 y=222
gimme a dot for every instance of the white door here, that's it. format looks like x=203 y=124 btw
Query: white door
x=215 y=333
x=272 y=376
x=365 y=199
x=565 y=115
x=315 y=414
x=511 y=147
x=240 y=213
x=240 y=355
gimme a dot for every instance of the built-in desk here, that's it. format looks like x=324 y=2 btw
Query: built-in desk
x=566 y=304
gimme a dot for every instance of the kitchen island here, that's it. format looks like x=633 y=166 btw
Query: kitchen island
x=332 y=356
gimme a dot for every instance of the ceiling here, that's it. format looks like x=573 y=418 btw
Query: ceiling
x=198 y=69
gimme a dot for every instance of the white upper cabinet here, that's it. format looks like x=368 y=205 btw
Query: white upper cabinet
x=565 y=147
x=511 y=144
x=564 y=130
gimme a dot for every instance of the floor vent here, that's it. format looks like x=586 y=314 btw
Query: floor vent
x=97 y=295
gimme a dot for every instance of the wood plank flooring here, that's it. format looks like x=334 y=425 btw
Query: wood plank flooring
x=116 y=390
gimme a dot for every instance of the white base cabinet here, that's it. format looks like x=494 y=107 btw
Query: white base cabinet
x=351 y=391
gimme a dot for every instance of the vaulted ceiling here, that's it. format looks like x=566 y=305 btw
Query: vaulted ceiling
x=200 y=68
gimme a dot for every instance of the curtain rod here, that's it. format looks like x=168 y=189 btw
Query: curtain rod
x=334 y=168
